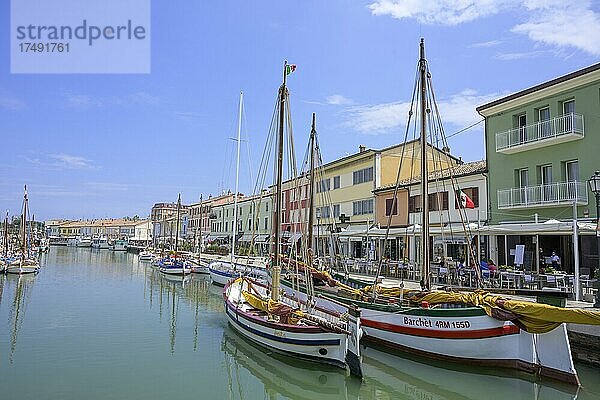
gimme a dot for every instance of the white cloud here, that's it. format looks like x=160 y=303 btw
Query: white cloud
x=458 y=110
x=68 y=161
x=77 y=100
x=11 y=103
x=338 y=99
x=519 y=56
x=561 y=24
x=490 y=43
x=443 y=12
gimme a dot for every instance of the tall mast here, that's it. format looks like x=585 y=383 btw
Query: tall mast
x=201 y=221
x=6 y=235
x=177 y=223
x=278 y=195
x=23 y=223
x=237 y=176
x=424 y=173
x=311 y=197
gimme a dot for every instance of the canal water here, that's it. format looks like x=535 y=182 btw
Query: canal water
x=96 y=324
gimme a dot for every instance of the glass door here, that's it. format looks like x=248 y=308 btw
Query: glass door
x=547 y=187
x=544 y=122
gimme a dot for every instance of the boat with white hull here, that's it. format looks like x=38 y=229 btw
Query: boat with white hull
x=332 y=345
x=119 y=245
x=198 y=266
x=84 y=242
x=100 y=243
x=25 y=262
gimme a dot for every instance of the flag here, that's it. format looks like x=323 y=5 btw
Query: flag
x=289 y=68
x=465 y=201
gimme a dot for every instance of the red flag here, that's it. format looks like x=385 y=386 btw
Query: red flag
x=465 y=201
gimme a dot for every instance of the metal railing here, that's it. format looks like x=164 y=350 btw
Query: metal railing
x=552 y=194
x=542 y=130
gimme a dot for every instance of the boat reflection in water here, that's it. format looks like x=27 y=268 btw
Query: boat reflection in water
x=286 y=376
x=168 y=291
x=386 y=376
x=22 y=285
x=410 y=377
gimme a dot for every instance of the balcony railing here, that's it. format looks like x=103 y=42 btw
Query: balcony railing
x=555 y=194
x=543 y=133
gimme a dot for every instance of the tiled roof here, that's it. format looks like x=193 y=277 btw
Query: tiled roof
x=470 y=168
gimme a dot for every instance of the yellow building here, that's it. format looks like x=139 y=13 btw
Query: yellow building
x=344 y=190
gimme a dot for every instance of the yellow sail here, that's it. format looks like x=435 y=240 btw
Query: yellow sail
x=533 y=317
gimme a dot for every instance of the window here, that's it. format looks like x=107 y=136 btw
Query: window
x=572 y=171
x=324 y=185
x=362 y=207
x=266 y=223
x=414 y=204
x=521 y=124
x=325 y=212
x=249 y=224
x=568 y=107
x=388 y=207
x=363 y=175
x=336 y=211
x=226 y=225
x=546 y=181
x=336 y=182
x=266 y=207
x=438 y=201
x=545 y=126
x=472 y=192
x=569 y=111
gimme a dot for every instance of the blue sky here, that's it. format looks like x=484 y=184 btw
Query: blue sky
x=112 y=145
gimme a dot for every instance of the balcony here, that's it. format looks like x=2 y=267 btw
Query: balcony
x=555 y=194
x=564 y=128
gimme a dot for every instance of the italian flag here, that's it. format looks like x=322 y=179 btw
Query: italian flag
x=465 y=201
x=289 y=68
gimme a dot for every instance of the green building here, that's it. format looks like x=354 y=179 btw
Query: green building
x=542 y=145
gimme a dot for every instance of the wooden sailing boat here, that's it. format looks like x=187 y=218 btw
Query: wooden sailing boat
x=260 y=313
x=174 y=265
x=25 y=263
x=454 y=326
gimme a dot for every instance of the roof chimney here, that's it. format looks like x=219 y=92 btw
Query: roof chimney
x=446 y=149
x=361 y=148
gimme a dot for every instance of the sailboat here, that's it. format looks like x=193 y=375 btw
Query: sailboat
x=25 y=263
x=475 y=328
x=260 y=312
x=174 y=265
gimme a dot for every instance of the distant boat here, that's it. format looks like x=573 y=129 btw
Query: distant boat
x=84 y=241
x=173 y=264
x=100 y=243
x=146 y=255
x=72 y=242
x=197 y=265
x=26 y=263
x=119 y=245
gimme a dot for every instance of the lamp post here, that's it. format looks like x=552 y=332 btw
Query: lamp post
x=594 y=183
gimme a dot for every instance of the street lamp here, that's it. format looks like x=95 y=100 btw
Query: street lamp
x=594 y=183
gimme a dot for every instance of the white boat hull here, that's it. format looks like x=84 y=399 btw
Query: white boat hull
x=175 y=271
x=303 y=341
x=459 y=334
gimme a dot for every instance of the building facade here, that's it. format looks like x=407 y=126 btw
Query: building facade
x=541 y=146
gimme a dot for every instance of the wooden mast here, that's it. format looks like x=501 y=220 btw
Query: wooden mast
x=276 y=269
x=201 y=221
x=6 y=235
x=177 y=223
x=23 y=223
x=425 y=281
x=311 y=198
